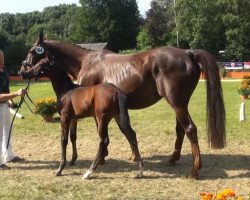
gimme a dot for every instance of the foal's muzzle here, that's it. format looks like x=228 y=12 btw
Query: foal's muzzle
x=26 y=64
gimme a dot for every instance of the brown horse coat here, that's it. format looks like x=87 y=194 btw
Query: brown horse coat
x=146 y=77
x=102 y=101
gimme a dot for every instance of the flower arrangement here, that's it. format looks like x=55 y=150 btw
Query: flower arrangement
x=244 y=88
x=224 y=195
x=45 y=106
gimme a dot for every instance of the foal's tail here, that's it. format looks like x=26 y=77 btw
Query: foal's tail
x=122 y=101
x=215 y=104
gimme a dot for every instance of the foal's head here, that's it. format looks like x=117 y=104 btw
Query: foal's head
x=41 y=69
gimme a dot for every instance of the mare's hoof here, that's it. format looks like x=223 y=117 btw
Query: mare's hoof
x=133 y=158
x=171 y=162
x=102 y=162
x=193 y=175
x=71 y=163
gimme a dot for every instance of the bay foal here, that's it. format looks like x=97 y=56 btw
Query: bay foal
x=103 y=102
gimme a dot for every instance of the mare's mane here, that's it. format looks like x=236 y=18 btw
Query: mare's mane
x=67 y=49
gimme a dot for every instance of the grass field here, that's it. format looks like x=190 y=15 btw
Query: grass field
x=39 y=143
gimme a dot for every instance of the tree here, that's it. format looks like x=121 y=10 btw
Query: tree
x=237 y=28
x=6 y=22
x=15 y=52
x=200 y=24
x=156 y=24
x=112 y=21
x=3 y=40
x=143 y=42
x=158 y=27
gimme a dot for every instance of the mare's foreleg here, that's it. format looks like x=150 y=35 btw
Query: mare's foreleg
x=64 y=141
x=103 y=135
x=180 y=133
x=73 y=137
x=130 y=134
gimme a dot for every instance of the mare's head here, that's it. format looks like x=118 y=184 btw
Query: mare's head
x=36 y=53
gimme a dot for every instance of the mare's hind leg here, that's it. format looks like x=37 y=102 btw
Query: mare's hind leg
x=73 y=137
x=130 y=134
x=64 y=141
x=103 y=135
x=178 y=143
x=191 y=131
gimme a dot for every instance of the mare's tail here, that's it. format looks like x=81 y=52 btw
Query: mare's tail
x=215 y=104
x=124 y=117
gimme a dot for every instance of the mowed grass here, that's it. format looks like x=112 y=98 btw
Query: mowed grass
x=39 y=143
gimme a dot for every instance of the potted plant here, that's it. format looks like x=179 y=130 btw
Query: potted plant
x=244 y=89
x=223 y=72
x=46 y=107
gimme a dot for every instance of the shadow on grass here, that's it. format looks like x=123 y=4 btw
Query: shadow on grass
x=214 y=166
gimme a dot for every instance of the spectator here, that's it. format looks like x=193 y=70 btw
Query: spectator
x=6 y=155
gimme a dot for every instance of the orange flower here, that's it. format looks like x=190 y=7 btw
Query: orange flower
x=229 y=192
x=220 y=196
x=206 y=196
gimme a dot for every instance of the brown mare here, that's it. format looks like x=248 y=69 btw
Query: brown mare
x=146 y=77
x=102 y=101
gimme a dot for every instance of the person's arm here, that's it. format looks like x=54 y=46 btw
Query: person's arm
x=9 y=96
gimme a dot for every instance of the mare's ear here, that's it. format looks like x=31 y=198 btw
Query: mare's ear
x=45 y=37
x=40 y=38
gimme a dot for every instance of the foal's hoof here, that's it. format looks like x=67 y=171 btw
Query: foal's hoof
x=139 y=175
x=87 y=174
x=58 y=173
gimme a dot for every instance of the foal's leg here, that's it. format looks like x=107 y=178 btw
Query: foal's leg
x=191 y=132
x=73 y=137
x=64 y=141
x=103 y=133
x=178 y=143
x=130 y=134
x=105 y=150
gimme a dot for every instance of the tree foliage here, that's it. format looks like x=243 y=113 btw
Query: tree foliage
x=199 y=24
x=113 y=21
x=157 y=26
x=236 y=20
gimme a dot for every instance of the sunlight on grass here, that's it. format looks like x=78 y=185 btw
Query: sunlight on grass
x=39 y=143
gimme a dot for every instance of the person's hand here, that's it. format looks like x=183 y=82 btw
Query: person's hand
x=21 y=92
x=10 y=104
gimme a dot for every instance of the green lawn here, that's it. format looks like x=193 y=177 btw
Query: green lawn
x=39 y=143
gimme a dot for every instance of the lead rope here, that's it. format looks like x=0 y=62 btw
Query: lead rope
x=19 y=105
